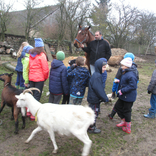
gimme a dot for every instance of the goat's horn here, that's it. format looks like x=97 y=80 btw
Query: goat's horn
x=30 y=90
x=27 y=90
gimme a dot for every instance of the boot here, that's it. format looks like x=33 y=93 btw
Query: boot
x=112 y=114
x=32 y=118
x=127 y=129
x=16 y=86
x=93 y=129
x=122 y=123
x=28 y=113
x=150 y=115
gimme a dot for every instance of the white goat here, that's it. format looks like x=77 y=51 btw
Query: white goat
x=65 y=119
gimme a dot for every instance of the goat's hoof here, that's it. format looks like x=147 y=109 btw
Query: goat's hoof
x=16 y=132
x=23 y=127
x=54 y=151
x=26 y=142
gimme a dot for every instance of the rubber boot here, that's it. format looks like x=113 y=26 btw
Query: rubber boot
x=28 y=113
x=122 y=123
x=16 y=86
x=93 y=129
x=112 y=114
x=127 y=129
x=32 y=117
x=150 y=115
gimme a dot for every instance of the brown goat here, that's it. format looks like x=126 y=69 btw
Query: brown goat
x=8 y=97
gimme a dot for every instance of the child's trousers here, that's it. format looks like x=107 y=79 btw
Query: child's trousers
x=124 y=109
x=20 y=80
x=153 y=103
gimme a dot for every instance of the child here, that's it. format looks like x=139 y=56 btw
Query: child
x=117 y=80
x=66 y=97
x=80 y=78
x=152 y=90
x=25 y=63
x=127 y=94
x=38 y=69
x=19 y=67
x=96 y=93
x=58 y=83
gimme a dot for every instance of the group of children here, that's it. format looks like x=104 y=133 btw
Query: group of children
x=71 y=82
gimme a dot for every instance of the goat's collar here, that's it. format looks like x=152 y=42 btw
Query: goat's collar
x=36 y=115
x=6 y=84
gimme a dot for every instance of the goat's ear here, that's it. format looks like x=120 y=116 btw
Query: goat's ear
x=17 y=96
x=11 y=74
x=80 y=26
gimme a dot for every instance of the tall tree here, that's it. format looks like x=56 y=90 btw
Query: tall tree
x=99 y=15
x=72 y=13
x=4 y=18
x=121 y=22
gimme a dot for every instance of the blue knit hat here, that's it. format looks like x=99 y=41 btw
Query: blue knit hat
x=39 y=42
x=27 y=48
x=60 y=55
x=131 y=55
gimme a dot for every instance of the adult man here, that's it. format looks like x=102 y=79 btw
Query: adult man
x=98 y=48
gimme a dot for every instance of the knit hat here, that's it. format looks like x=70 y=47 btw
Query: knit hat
x=60 y=55
x=131 y=55
x=39 y=42
x=127 y=62
x=27 y=48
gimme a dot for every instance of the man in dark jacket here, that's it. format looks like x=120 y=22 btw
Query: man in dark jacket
x=97 y=49
x=96 y=93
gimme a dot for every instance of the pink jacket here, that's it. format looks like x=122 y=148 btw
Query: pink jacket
x=38 y=68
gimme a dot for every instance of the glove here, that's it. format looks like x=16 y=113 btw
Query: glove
x=149 y=92
x=113 y=95
x=120 y=93
x=116 y=80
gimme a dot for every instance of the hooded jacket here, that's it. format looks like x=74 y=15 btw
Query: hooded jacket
x=79 y=78
x=98 y=49
x=58 y=83
x=128 y=85
x=96 y=93
x=152 y=84
x=38 y=68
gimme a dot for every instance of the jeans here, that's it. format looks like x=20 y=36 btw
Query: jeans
x=20 y=80
x=92 y=69
x=75 y=101
x=153 y=103
x=55 y=98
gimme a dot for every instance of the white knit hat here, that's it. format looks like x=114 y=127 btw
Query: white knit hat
x=127 y=62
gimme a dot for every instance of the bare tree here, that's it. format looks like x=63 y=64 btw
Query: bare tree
x=146 y=29
x=72 y=13
x=121 y=22
x=4 y=17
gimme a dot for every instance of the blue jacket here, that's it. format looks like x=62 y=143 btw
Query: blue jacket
x=128 y=85
x=119 y=74
x=19 y=66
x=96 y=93
x=58 y=83
x=79 y=78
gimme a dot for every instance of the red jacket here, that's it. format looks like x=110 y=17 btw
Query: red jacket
x=38 y=68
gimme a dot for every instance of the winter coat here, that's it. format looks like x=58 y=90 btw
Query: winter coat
x=128 y=85
x=152 y=84
x=96 y=93
x=119 y=74
x=98 y=49
x=25 y=63
x=58 y=83
x=38 y=68
x=79 y=78
x=19 y=66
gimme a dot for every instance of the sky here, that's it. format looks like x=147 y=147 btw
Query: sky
x=140 y=4
x=149 y=5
